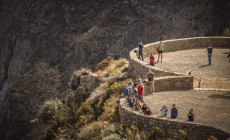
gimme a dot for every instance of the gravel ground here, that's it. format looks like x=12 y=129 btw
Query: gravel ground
x=210 y=107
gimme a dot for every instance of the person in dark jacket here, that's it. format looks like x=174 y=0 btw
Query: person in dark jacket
x=174 y=112
x=140 y=51
x=190 y=115
x=210 y=54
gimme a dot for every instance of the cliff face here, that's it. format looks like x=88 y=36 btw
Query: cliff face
x=79 y=33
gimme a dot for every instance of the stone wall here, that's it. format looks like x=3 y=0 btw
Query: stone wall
x=188 y=43
x=128 y=117
x=173 y=83
x=167 y=80
x=138 y=67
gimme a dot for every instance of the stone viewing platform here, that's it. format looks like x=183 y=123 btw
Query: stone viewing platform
x=173 y=85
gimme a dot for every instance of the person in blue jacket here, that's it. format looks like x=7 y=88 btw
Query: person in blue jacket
x=140 y=51
x=174 y=112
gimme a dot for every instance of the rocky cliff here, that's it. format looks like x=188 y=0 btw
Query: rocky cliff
x=43 y=39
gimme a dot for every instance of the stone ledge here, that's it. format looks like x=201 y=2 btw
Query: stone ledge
x=128 y=116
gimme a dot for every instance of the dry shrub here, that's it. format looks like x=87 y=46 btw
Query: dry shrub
x=53 y=111
x=181 y=135
x=110 y=67
x=104 y=63
x=112 y=137
x=133 y=133
x=92 y=131
x=110 y=110
x=212 y=138
x=226 y=32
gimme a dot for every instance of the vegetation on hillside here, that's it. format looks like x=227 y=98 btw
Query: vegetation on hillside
x=84 y=118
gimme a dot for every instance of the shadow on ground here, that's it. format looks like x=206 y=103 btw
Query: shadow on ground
x=204 y=65
x=223 y=96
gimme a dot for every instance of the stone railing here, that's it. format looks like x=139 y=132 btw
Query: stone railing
x=128 y=117
x=169 y=80
x=138 y=67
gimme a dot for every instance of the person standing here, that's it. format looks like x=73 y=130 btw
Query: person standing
x=140 y=91
x=160 y=51
x=140 y=50
x=174 y=112
x=210 y=49
x=150 y=76
x=151 y=59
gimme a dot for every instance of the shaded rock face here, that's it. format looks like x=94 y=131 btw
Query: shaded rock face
x=73 y=34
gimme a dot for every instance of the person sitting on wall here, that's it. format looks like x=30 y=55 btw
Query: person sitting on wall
x=148 y=112
x=174 y=112
x=144 y=107
x=151 y=59
x=125 y=92
x=164 y=111
x=190 y=115
x=137 y=105
x=134 y=91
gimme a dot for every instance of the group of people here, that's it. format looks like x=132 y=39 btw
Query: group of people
x=160 y=49
x=174 y=112
x=133 y=93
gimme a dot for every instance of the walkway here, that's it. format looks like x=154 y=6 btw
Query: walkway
x=210 y=107
x=196 y=60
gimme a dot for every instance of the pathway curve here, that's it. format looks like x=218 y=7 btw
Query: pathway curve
x=215 y=76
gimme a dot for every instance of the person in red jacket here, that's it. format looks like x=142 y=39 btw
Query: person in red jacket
x=140 y=92
x=151 y=59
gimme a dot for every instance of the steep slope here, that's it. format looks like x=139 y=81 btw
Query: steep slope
x=79 y=33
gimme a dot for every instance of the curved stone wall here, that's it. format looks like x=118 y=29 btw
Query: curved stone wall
x=138 y=67
x=167 y=80
x=128 y=117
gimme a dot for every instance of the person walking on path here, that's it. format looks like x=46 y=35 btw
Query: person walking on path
x=140 y=50
x=174 y=112
x=150 y=76
x=151 y=59
x=160 y=51
x=210 y=49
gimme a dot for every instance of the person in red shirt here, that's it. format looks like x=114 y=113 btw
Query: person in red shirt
x=151 y=59
x=140 y=92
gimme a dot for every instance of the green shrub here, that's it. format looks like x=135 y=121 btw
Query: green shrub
x=53 y=110
x=112 y=137
x=157 y=133
x=181 y=135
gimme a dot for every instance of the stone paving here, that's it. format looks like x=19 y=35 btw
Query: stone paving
x=210 y=107
x=197 y=60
